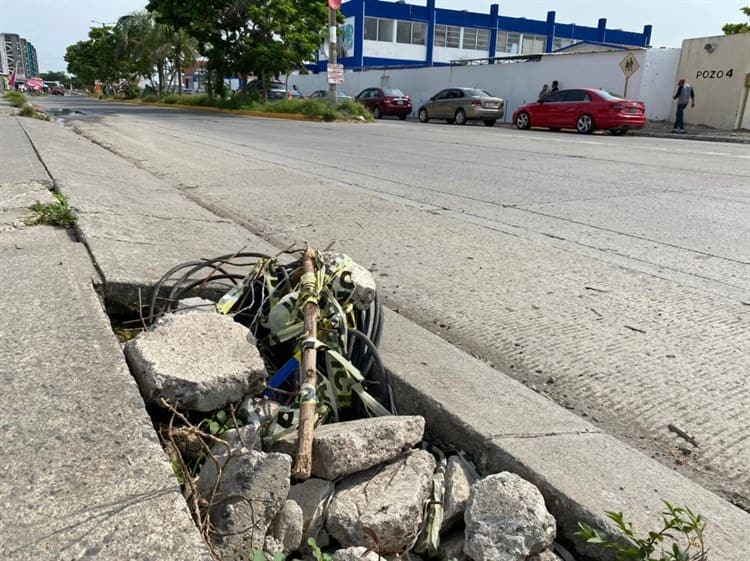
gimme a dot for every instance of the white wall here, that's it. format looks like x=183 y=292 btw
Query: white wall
x=658 y=82
x=520 y=82
x=720 y=98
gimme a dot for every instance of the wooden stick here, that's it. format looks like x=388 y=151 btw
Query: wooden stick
x=308 y=399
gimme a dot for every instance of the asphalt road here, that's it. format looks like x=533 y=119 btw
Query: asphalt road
x=610 y=273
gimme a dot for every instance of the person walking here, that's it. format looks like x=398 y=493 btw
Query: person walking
x=543 y=92
x=684 y=95
x=555 y=87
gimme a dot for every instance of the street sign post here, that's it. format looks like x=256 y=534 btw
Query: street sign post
x=629 y=66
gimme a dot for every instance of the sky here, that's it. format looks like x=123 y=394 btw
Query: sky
x=52 y=25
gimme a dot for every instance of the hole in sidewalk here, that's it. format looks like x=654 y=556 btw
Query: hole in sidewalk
x=202 y=441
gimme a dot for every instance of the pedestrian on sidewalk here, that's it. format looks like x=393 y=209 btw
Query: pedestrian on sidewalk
x=555 y=87
x=684 y=95
x=543 y=92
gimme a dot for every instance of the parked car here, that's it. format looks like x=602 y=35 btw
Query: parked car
x=341 y=96
x=276 y=90
x=584 y=110
x=385 y=102
x=459 y=105
x=58 y=90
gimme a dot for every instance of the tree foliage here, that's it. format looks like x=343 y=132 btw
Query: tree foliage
x=136 y=47
x=734 y=28
x=261 y=37
x=94 y=59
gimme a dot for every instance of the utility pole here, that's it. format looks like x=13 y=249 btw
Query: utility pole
x=332 y=51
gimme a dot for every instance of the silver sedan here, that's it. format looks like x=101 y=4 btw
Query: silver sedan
x=459 y=105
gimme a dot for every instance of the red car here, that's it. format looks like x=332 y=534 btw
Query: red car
x=584 y=110
x=385 y=102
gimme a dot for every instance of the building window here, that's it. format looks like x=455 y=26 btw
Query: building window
x=447 y=36
x=508 y=42
x=385 y=30
x=377 y=29
x=533 y=44
x=476 y=39
x=411 y=32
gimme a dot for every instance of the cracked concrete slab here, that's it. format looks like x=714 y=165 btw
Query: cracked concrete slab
x=88 y=476
x=136 y=226
x=83 y=474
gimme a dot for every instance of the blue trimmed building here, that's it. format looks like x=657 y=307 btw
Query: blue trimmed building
x=378 y=34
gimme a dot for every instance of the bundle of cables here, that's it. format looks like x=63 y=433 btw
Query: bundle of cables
x=262 y=293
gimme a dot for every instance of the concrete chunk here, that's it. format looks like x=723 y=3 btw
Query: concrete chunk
x=506 y=520
x=312 y=496
x=458 y=482
x=196 y=361
x=386 y=500
x=252 y=488
x=340 y=449
x=287 y=526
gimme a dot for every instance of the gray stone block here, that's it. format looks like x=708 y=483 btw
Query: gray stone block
x=340 y=449
x=245 y=491
x=506 y=520
x=387 y=500
x=195 y=361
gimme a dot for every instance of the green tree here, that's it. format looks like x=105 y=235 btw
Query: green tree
x=733 y=28
x=94 y=59
x=284 y=34
x=149 y=49
x=263 y=37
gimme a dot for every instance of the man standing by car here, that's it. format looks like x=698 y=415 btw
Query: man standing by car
x=683 y=95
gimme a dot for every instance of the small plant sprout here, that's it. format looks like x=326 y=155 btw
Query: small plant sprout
x=679 y=539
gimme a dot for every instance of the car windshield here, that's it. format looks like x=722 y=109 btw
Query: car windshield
x=609 y=95
x=394 y=93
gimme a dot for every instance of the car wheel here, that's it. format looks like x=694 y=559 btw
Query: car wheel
x=585 y=124
x=376 y=112
x=619 y=132
x=402 y=116
x=523 y=121
x=460 y=117
x=489 y=123
x=422 y=115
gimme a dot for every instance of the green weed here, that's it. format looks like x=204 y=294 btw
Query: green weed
x=16 y=99
x=679 y=539
x=54 y=214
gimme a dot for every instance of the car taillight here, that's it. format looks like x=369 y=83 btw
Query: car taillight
x=476 y=102
x=617 y=107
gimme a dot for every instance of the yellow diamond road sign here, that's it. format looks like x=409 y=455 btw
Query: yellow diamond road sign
x=629 y=65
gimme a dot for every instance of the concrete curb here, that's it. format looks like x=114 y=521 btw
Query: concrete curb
x=504 y=425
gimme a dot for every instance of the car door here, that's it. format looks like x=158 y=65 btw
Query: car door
x=457 y=101
x=545 y=113
x=365 y=97
x=437 y=105
x=574 y=106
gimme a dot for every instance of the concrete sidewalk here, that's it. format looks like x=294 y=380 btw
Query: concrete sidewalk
x=693 y=132
x=66 y=379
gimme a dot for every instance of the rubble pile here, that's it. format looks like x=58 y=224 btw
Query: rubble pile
x=228 y=383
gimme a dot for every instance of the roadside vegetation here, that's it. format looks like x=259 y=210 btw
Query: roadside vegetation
x=313 y=108
x=17 y=99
